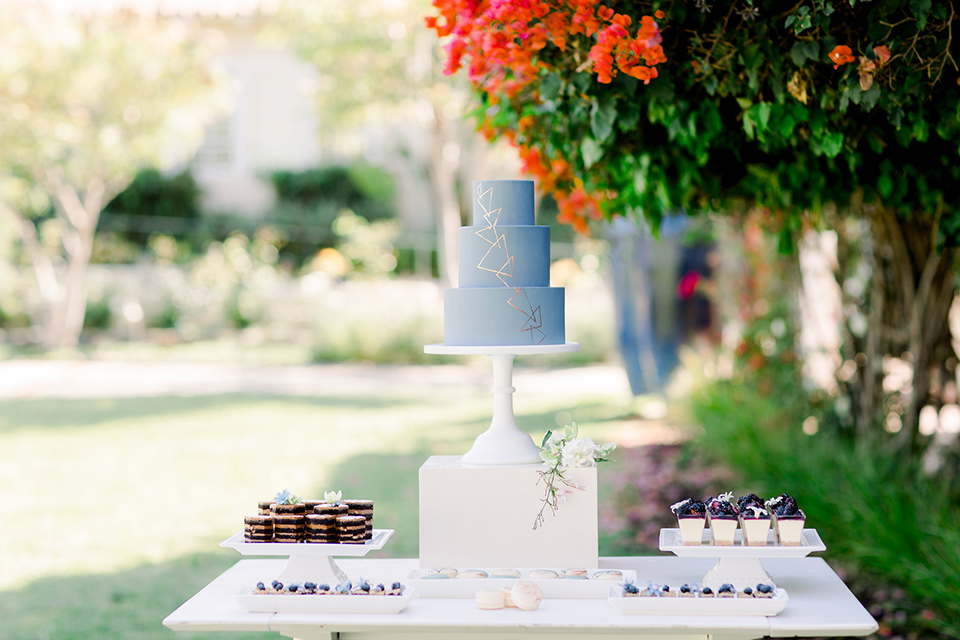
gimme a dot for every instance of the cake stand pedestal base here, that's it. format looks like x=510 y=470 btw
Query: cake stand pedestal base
x=503 y=443
x=316 y=568
x=740 y=572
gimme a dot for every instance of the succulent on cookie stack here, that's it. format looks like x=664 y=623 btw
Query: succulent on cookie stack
x=288 y=517
x=724 y=518
x=691 y=516
x=788 y=519
x=754 y=520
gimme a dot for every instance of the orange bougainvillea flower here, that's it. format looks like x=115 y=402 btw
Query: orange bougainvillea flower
x=841 y=54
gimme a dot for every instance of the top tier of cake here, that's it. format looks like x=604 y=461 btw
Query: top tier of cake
x=504 y=297
x=503 y=203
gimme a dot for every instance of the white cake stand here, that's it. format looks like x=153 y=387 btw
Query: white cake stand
x=503 y=442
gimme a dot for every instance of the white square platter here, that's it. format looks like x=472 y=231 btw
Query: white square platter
x=311 y=603
x=552 y=588
x=671 y=541
x=699 y=606
x=380 y=537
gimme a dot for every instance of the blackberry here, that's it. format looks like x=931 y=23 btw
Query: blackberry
x=689 y=507
x=751 y=499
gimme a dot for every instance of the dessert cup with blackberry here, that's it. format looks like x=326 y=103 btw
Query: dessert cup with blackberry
x=723 y=518
x=754 y=520
x=788 y=519
x=691 y=516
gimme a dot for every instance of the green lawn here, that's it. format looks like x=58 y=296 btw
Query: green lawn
x=115 y=507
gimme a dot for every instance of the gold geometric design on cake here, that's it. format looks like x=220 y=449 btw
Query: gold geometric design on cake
x=533 y=321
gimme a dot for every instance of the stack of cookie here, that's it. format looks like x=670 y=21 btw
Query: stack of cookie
x=362 y=508
x=289 y=522
x=258 y=528
x=351 y=529
x=322 y=523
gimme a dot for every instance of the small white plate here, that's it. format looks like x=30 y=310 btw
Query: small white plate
x=671 y=541
x=313 y=603
x=699 y=606
x=236 y=541
x=552 y=588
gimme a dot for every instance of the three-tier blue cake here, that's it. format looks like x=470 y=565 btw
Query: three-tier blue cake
x=504 y=296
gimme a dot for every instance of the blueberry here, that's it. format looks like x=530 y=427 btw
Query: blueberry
x=293 y=588
x=631 y=588
x=764 y=588
x=395 y=585
x=381 y=587
x=726 y=588
x=365 y=587
x=260 y=587
x=666 y=588
x=685 y=589
x=748 y=591
x=309 y=585
x=276 y=584
x=707 y=590
x=323 y=587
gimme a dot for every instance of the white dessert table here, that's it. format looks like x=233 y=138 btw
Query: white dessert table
x=820 y=605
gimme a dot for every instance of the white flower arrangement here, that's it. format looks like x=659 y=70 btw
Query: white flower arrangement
x=562 y=450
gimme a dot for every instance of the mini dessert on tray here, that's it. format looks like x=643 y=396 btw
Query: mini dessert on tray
x=691 y=516
x=258 y=529
x=788 y=519
x=754 y=520
x=724 y=518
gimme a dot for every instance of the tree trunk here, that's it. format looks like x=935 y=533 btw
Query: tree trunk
x=443 y=172
x=66 y=297
x=911 y=288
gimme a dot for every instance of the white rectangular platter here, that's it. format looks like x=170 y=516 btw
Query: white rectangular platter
x=699 y=606
x=236 y=541
x=311 y=603
x=590 y=588
x=671 y=541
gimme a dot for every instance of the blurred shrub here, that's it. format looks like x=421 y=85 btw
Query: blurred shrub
x=642 y=483
x=152 y=203
x=366 y=190
x=309 y=202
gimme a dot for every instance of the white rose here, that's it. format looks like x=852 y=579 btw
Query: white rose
x=579 y=453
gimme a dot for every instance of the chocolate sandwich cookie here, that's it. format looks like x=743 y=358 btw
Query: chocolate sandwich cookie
x=298 y=509
x=288 y=528
x=310 y=505
x=362 y=508
x=258 y=529
x=351 y=529
x=321 y=528
x=264 y=507
x=335 y=509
